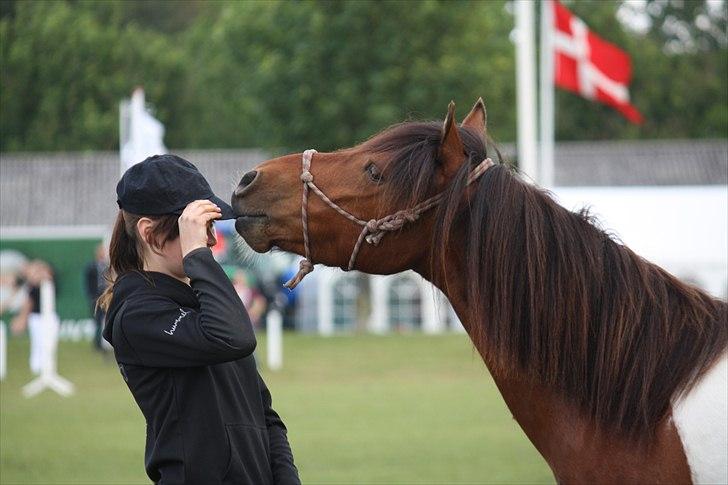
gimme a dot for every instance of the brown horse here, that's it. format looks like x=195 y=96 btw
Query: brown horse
x=615 y=369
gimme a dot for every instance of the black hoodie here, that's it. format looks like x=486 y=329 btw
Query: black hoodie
x=186 y=355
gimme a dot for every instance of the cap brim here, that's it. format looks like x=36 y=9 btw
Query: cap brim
x=227 y=211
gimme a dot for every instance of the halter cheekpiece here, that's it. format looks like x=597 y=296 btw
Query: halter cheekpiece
x=373 y=230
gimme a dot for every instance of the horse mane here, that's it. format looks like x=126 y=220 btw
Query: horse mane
x=555 y=297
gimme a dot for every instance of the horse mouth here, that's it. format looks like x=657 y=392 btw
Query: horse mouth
x=252 y=228
x=251 y=216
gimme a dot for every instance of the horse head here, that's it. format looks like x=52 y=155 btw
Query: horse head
x=377 y=185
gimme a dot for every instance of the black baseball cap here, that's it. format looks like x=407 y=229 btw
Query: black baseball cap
x=165 y=184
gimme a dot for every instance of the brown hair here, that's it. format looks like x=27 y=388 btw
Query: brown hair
x=126 y=250
x=554 y=297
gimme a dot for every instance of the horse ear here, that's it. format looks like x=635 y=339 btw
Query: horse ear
x=452 y=151
x=477 y=119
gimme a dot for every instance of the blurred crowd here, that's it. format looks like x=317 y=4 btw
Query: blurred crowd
x=28 y=292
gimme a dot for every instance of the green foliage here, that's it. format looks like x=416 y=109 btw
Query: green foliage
x=322 y=73
x=64 y=72
x=327 y=74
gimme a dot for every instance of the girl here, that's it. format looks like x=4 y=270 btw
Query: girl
x=182 y=338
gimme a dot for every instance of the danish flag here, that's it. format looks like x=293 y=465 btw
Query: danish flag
x=590 y=66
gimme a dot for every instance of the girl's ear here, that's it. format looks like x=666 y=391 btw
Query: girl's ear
x=144 y=228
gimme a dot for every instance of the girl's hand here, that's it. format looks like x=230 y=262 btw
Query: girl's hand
x=193 y=224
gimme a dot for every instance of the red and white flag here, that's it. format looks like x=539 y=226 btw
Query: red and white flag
x=590 y=66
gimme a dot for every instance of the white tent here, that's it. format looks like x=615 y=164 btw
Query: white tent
x=684 y=229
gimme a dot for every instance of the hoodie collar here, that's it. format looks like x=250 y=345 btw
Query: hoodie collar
x=154 y=283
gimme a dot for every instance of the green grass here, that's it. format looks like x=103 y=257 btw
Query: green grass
x=363 y=409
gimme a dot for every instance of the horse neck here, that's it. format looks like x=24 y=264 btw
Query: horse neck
x=575 y=449
x=532 y=405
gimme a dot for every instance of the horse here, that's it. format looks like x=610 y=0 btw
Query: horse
x=615 y=369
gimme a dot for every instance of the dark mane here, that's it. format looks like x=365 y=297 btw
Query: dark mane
x=554 y=296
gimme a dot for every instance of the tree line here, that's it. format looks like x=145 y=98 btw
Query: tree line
x=327 y=74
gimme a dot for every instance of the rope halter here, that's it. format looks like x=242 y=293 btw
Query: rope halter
x=373 y=230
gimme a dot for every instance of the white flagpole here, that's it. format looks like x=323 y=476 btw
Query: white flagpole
x=546 y=155
x=526 y=88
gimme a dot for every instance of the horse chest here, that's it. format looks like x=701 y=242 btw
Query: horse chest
x=701 y=418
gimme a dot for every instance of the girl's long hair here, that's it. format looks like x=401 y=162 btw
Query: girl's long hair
x=126 y=249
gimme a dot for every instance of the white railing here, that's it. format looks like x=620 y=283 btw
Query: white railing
x=341 y=301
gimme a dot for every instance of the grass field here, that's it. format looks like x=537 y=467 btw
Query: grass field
x=363 y=409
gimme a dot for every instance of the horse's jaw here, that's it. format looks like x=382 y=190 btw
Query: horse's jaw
x=253 y=229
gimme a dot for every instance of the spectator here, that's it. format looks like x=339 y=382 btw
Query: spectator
x=30 y=317
x=253 y=299
x=95 y=284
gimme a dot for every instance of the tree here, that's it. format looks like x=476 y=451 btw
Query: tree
x=63 y=74
x=328 y=74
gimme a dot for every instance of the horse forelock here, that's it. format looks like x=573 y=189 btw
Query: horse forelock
x=554 y=297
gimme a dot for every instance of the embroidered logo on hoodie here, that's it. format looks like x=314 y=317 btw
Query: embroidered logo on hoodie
x=182 y=314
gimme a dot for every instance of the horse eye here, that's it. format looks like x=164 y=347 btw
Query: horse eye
x=373 y=171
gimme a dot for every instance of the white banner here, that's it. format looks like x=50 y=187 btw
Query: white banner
x=141 y=135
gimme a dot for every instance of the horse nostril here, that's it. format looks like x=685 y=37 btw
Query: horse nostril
x=247 y=179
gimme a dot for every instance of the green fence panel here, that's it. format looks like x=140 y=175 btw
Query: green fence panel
x=69 y=258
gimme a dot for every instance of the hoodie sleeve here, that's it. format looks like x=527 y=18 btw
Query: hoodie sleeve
x=156 y=332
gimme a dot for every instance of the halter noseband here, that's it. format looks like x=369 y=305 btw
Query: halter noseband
x=373 y=230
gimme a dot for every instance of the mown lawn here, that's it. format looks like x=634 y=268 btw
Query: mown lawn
x=361 y=409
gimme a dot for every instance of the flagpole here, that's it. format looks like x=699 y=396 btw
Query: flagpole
x=526 y=88
x=546 y=155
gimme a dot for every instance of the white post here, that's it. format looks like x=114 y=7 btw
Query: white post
x=432 y=323
x=546 y=156
x=274 y=333
x=379 y=316
x=48 y=378
x=526 y=88
x=3 y=351
x=325 y=302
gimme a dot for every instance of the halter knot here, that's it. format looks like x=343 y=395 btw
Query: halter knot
x=305 y=265
x=373 y=225
x=306 y=177
x=374 y=238
x=304 y=268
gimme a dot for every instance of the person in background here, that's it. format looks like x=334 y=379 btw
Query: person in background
x=253 y=299
x=29 y=316
x=95 y=284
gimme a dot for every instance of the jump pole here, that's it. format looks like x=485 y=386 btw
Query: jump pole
x=48 y=378
x=3 y=351
x=274 y=331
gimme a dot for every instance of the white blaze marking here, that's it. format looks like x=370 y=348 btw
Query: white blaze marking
x=701 y=418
